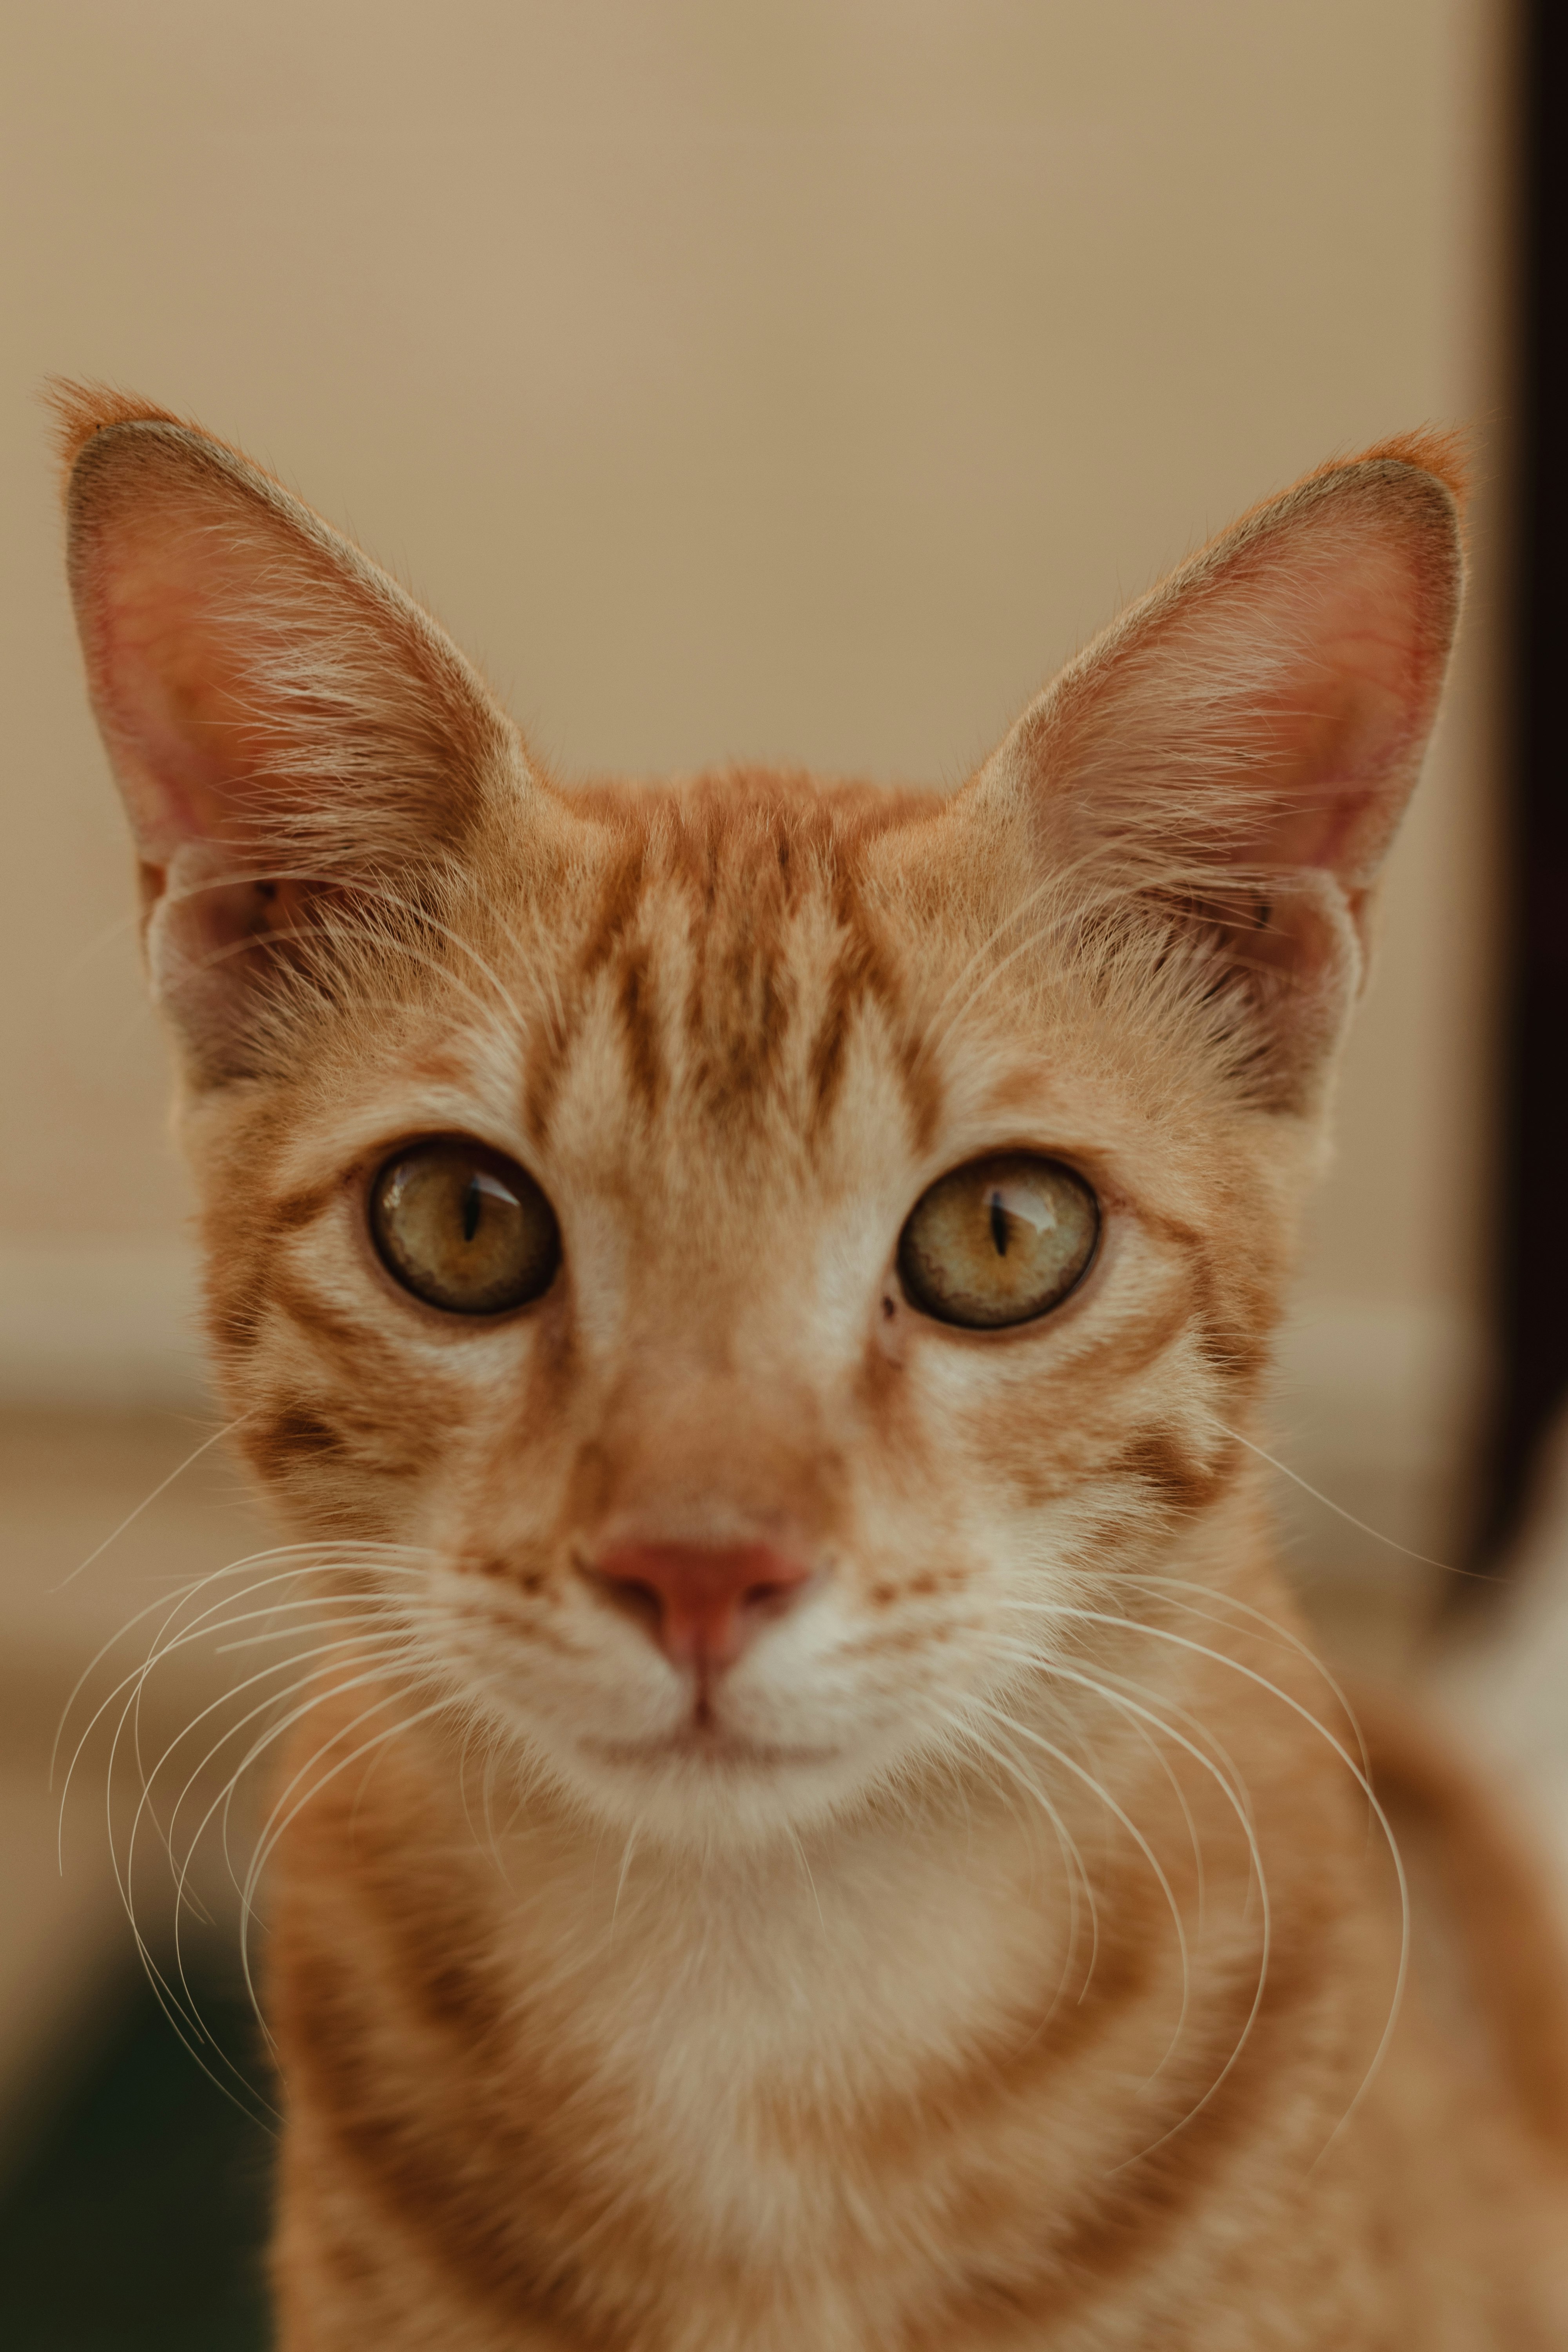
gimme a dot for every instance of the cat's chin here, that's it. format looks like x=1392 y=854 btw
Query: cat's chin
x=707 y=1786
x=709 y=1747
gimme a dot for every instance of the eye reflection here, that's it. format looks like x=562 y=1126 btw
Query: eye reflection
x=464 y=1228
x=998 y=1242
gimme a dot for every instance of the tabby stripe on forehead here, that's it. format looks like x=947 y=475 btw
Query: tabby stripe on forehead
x=639 y=1023
x=620 y=894
x=861 y=976
x=619 y=900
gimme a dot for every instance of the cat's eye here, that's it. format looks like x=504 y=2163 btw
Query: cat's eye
x=464 y=1228
x=998 y=1242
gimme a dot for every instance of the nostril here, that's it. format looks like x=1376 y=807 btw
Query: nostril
x=700 y=1603
x=764 y=1596
x=629 y=1593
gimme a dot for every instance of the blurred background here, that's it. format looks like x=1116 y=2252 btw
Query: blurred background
x=802 y=381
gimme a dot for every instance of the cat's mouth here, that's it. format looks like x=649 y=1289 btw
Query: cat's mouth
x=704 y=1741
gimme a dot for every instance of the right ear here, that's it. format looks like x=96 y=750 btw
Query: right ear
x=298 y=745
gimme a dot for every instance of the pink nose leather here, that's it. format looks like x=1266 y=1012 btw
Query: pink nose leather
x=702 y=1605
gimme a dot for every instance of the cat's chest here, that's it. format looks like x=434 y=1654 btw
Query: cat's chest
x=741 y=2064
x=867 y=2091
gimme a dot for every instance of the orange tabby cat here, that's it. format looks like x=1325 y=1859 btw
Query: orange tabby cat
x=759 y=1292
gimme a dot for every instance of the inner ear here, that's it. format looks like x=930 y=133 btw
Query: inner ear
x=229 y=948
x=1227 y=765
x=229 y=916
x=304 y=757
x=1279 y=962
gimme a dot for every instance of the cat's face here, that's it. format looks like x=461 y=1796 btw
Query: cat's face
x=735 y=1039
x=766 y=1253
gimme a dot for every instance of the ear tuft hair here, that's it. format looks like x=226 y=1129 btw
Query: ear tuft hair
x=1439 y=450
x=82 y=411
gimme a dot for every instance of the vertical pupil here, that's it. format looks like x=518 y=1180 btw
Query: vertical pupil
x=473 y=1205
x=998 y=1224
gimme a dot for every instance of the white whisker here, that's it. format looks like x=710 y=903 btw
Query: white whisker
x=1097 y=1787
x=270 y=1834
x=1075 y=1870
x=148 y=1500
x=1146 y=1715
x=1362 y=1779
x=1281 y=1633
x=1423 y=1560
x=626 y=1852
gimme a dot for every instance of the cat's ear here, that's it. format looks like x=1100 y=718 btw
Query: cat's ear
x=1232 y=757
x=299 y=747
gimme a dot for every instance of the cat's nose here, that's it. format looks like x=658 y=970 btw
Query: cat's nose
x=701 y=1603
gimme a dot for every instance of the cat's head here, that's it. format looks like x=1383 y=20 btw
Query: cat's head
x=767 y=1248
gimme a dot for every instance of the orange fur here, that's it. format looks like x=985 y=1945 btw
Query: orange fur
x=1491 y=1890
x=994 y=1956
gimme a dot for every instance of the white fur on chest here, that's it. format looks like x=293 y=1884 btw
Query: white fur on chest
x=736 y=2016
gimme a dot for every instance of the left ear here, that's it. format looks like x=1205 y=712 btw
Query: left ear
x=303 y=755
x=1236 y=752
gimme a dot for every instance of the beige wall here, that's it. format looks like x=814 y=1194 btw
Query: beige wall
x=802 y=380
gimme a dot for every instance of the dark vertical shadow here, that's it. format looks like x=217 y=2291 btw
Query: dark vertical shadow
x=1532 y=1303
